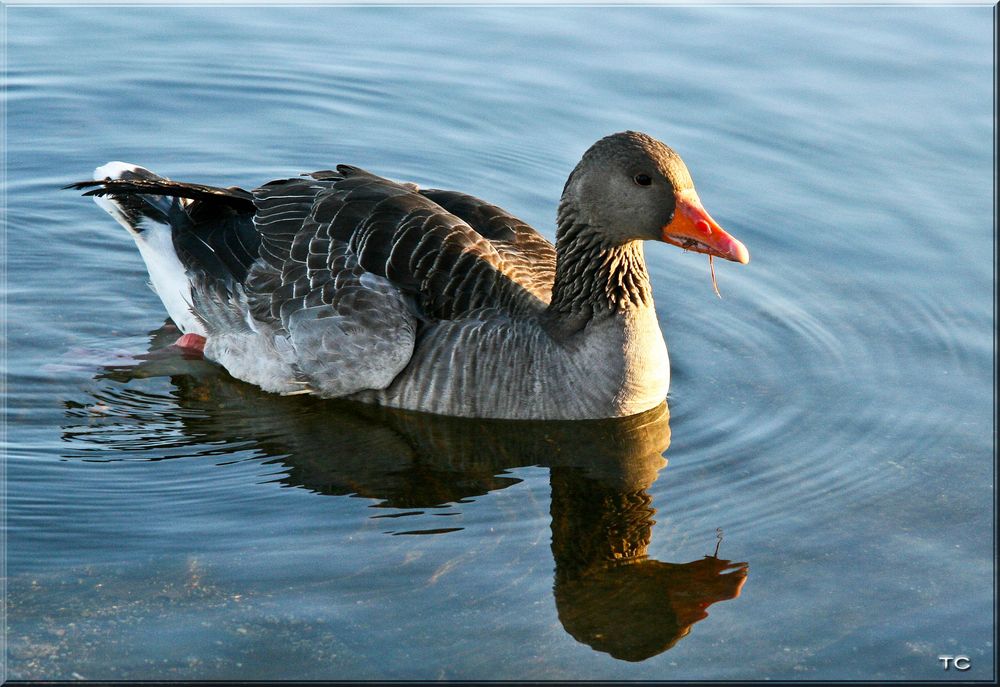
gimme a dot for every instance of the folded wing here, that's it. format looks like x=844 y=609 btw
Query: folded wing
x=352 y=267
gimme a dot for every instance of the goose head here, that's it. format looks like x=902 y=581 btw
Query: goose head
x=630 y=186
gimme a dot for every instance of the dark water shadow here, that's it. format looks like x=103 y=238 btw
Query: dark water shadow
x=609 y=594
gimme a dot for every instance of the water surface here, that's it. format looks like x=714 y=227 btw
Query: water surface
x=829 y=418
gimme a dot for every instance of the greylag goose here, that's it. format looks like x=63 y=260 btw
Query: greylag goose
x=345 y=284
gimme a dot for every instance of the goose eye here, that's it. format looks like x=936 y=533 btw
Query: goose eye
x=642 y=179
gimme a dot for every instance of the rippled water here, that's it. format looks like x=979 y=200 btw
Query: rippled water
x=829 y=419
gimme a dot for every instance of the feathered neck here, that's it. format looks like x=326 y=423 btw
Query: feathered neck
x=593 y=275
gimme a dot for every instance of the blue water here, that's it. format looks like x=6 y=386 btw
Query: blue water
x=830 y=418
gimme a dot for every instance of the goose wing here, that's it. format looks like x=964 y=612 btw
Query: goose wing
x=351 y=265
x=529 y=259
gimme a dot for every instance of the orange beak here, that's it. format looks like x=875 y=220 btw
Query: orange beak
x=692 y=228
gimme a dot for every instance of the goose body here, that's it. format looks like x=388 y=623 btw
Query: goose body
x=343 y=283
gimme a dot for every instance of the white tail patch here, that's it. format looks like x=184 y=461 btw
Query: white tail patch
x=114 y=170
x=155 y=241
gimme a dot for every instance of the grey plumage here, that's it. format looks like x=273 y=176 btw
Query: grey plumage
x=346 y=284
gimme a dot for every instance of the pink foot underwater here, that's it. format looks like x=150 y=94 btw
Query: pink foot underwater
x=191 y=344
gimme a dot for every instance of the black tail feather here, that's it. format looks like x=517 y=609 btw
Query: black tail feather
x=237 y=198
x=214 y=236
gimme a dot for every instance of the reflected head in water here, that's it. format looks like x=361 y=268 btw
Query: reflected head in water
x=609 y=594
x=633 y=611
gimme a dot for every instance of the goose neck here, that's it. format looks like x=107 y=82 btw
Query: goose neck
x=593 y=275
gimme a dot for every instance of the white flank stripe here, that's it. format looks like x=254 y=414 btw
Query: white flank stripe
x=167 y=275
x=156 y=245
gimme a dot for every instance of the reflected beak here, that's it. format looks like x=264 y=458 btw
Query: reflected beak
x=692 y=228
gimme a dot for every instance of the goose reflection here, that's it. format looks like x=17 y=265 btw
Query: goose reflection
x=609 y=594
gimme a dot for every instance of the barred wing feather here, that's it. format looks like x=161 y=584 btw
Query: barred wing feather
x=351 y=264
x=529 y=259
